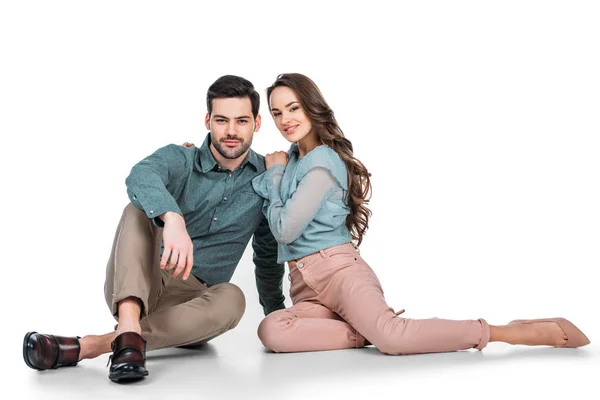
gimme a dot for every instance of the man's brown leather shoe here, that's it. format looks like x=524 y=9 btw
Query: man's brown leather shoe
x=128 y=361
x=41 y=351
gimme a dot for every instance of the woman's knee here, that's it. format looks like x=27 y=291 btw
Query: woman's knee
x=271 y=331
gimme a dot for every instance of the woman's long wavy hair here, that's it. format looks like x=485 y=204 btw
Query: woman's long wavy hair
x=325 y=125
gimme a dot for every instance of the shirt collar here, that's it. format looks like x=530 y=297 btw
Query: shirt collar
x=253 y=159
x=208 y=162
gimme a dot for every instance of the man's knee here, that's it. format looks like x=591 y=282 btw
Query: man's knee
x=232 y=304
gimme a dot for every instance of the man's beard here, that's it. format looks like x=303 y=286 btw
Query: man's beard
x=228 y=152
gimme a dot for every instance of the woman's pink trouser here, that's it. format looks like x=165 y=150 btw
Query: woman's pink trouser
x=338 y=302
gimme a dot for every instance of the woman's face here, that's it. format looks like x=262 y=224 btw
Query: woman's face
x=289 y=117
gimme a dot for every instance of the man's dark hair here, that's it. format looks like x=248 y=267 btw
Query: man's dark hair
x=229 y=86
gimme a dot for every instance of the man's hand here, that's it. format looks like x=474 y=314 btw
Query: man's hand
x=179 y=249
x=278 y=157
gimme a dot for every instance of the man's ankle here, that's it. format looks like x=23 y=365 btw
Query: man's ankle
x=124 y=327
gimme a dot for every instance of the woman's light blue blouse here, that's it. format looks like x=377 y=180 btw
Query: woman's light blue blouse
x=304 y=202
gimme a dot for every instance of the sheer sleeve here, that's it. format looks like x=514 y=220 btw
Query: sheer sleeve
x=288 y=221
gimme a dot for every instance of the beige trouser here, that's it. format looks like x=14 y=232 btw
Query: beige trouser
x=174 y=312
x=338 y=302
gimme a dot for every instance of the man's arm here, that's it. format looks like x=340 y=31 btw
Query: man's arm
x=268 y=273
x=148 y=181
x=148 y=188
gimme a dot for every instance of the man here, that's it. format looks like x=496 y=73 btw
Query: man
x=192 y=214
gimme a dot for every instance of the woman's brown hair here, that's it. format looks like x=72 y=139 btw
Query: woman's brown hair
x=330 y=134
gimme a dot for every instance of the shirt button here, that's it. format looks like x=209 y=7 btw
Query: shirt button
x=300 y=265
x=215 y=218
x=225 y=198
x=151 y=211
x=134 y=197
x=230 y=175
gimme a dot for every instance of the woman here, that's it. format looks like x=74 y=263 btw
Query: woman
x=315 y=200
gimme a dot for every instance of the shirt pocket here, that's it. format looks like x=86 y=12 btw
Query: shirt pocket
x=248 y=204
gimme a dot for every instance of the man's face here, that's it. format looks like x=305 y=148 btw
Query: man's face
x=232 y=126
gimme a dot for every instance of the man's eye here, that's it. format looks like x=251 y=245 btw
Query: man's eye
x=243 y=121
x=220 y=121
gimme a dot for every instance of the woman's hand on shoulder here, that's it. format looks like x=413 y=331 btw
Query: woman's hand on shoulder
x=278 y=157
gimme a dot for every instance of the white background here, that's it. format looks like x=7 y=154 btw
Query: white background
x=479 y=122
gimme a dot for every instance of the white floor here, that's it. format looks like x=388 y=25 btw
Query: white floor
x=235 y=367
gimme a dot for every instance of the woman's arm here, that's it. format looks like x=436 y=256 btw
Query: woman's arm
x=288 y=220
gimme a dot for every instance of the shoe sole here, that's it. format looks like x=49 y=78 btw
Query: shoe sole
x=27 y=361
x=128 y=376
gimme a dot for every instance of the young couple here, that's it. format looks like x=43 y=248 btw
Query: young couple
x=194 y=210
